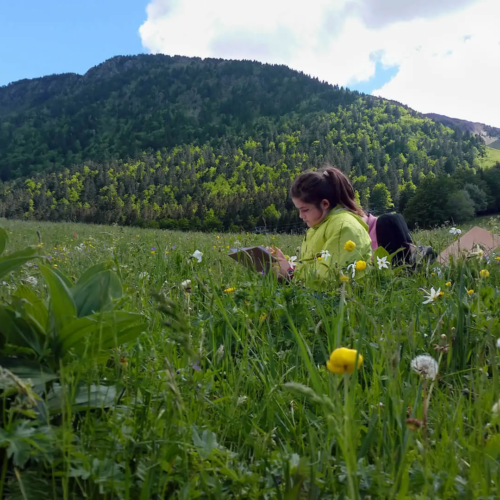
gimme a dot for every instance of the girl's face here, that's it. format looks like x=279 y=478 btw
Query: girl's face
x=310 y=213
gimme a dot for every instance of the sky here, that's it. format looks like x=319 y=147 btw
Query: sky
x=440 y=56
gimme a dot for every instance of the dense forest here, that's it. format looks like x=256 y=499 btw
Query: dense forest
x=177 y=142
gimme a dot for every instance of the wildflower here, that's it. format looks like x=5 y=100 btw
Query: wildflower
x=350 y=246
x=229 y=290
x=448 y=283
x=432 y=296
x=31 y=280
x=144 y=276
x=479 y=252
x=455 y=231
x=344 y=279
x=497 y=257
x=437 y=271
x=40 y=245
x=55 y=265
x=484 y=273
x=215 y=247
x=324 y=254
x=186 y=285
x=292 y=259
x=470 y=292
x=197 y=255
x=352 y=267
x=426 y=366
x=241 y=400
x=495 y=409
x=343 y=360
x=382 y=262
x=360 y=265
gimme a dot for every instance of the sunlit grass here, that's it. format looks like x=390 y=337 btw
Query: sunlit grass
x=227 y=394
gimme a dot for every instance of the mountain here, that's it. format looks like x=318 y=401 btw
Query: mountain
x=209 y=144
x=490 y=135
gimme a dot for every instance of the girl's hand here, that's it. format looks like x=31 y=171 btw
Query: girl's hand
x=284 y=265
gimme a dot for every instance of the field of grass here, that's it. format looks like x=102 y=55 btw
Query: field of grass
x=226 y=392
x=492 y=157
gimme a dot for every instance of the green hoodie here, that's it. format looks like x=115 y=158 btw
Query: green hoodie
x=330 y=235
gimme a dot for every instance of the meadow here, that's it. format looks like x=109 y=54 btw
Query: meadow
x=492 y=157
x=220 y=389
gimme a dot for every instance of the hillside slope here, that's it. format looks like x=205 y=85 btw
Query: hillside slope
x=130 y=105
x=489 y=134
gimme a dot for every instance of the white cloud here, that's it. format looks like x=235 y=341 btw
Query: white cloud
x=448 y=51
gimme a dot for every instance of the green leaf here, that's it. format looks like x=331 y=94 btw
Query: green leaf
x=97 y=292
x=17 y=259
x=84 y=398
x=17 y=330
x=33 y=305
x=3 y=240
x=26 y=369
x=62 y=305
x=101 y=331
x=92 y=271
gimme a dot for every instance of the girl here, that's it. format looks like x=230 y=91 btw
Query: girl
x=338 y=234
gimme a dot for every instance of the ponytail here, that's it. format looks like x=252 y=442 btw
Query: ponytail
x=330 y=184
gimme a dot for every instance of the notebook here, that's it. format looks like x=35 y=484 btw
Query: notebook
x=257 y=258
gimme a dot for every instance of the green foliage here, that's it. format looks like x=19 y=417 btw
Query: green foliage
x=169 y=142
x=227 y=395
x=460 y=206
x=380 y=199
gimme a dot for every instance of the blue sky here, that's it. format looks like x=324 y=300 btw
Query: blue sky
x=43 y=37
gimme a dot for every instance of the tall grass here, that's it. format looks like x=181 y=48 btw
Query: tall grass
x=227 y=394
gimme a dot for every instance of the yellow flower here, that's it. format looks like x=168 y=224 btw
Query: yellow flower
x=166 y=253
x=55 y=265
x=484 y=273
x=229 y=290
x=470 y=292
x=497 y=257
x=228 y=247
x=320 y=258
x=262 y=317
x=350 y=246
x=344 y=279
x=218 y=237
x=433 y=274
x=360 y=265
x=152 y=252
x=448 y=283
x=40 y=245
x=215 y=246
x=441 y=294
x=343 y=360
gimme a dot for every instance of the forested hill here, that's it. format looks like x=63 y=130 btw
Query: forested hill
x=191 y=143
x=128 y=105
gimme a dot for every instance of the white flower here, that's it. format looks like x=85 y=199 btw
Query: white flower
x=324 y=254
x=186 y=284
x=31 y=280
x=455 y=231
x=432 y=296
x=197 y=255
x=241 y=400
x=479 y=252
x=495 y=409
x=292 y=259
x=438 y=271
x=426 y=366
x=383 y=263
x=144 y=276
x=353 y=268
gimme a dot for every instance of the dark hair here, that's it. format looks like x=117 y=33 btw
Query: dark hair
x=330 y=184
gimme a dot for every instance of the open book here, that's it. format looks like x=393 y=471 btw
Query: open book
x=257 y=258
